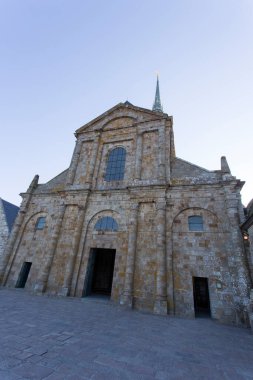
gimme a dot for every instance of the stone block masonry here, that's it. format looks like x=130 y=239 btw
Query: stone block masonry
x=163 y=263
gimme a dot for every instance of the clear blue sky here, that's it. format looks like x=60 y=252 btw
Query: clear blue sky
x=65 y=62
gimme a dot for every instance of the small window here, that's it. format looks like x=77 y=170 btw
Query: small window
x=116 y=165
x=195 y=223
x=107 y=223
x=40 y=224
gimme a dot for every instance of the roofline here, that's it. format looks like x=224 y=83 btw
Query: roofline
x=197 y=166
x=12 y=204
x=58 y=175
x=161 y=114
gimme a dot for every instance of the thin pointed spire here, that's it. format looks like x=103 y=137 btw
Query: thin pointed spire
x=157 y=106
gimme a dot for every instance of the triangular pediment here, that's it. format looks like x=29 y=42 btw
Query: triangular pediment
x=122 y=112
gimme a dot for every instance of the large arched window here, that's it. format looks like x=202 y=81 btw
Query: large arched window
x=107 y=223
x=116 y=165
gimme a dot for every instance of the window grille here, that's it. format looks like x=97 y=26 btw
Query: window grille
x=107 y=223
x=116 y=165
x=41 y=222
x=195 y=223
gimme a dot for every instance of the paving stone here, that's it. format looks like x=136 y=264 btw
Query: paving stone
x=7 y=375
x=8 y=362
x=141 y=347
x=23 y=355
x=38 y=350
x=33 y=371
x=33 y=359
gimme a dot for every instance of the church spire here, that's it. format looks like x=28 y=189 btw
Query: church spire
x=157 y=103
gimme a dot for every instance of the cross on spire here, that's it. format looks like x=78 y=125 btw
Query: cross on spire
x=157 y=106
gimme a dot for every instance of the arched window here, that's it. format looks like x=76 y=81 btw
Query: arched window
x=107 y=223
x=195 y=223
x=40 y=223
x=116 y=165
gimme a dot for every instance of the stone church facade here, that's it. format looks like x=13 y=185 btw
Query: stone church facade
x=131 y=220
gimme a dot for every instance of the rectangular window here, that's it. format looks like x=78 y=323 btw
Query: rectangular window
x=40 y=224
x=195 y=223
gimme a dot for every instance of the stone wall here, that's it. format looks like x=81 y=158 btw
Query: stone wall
x=156 y=254
x=4 y=230
x=250 y=232
x=145 y=261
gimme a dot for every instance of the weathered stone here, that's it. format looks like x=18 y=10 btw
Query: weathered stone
x=157 y=255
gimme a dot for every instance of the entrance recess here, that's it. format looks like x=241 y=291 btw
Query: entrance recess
x=100 y=272
x=201 y=297
x=23 y=275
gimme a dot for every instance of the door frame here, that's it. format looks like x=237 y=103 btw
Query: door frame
x=23 y=274
x=88 y=281
x=205 y=311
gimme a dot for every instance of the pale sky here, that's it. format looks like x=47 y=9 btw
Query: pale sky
x=63 y=63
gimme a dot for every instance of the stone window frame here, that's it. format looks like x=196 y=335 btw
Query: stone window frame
x=196 y=223
x=40 y=223
x=119 y=169
x=106 y=223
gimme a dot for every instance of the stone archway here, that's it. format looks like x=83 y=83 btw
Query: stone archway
x=111 y=243
x=196 y=258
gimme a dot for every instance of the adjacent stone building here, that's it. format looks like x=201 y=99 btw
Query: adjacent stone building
x=247 y=231
x=130 y=220
x=8 y=213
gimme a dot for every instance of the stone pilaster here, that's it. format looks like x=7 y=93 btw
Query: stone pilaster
x=74 y=163
x=138 y=156
x=160 y=306
x=170 y=280
x=10 y=245
x=4 y=230
x=249 y=259
x=169 y=257
x=161 y=157
x=41 y=284
x=238 y=263
x=233 y=214
x=168 y=155
x=251 y=310
x=9 y=253
x=93 y=159
x=73 y=254
x=127 y=296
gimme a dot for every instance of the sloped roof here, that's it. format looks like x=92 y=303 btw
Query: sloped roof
x=53 y=184
x=249 y=217
x=185 y=171
x=10 y=211
x=250 y=208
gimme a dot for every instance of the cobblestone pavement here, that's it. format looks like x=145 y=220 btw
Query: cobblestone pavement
x=67 y=338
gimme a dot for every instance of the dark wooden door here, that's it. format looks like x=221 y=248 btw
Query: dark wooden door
x=103 y=271
x=201 y=296
x=23 y=275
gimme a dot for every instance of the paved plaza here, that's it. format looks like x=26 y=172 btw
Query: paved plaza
x=65 y=338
